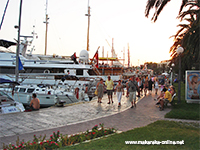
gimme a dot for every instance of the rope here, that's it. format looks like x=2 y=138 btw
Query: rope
x=4 y=14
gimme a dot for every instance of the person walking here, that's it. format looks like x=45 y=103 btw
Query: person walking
x=143 y=83
x=146 y=86
x=100 y=87
x=109 y=83
x=139 y=86
x=156 y=86
x=150 y=83
x=119 y=90
x=133 y=86
x=127 y=90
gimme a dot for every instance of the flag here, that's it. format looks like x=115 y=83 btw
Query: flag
x=20 y=67
x=96 y=56
x=73 y=57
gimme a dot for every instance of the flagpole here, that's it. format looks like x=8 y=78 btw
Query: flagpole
x=94 y=55
x=18 y=42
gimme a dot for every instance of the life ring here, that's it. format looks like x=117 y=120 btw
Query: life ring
x=46 y=71
x=77 y=92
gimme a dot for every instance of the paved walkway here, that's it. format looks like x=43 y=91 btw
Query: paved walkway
x=78 y=118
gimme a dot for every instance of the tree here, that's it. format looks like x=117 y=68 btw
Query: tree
x=188 y=34
x=158 y=5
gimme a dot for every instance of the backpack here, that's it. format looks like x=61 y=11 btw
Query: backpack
x=133 y=85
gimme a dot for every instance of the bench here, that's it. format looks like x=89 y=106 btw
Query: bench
x=166 y=102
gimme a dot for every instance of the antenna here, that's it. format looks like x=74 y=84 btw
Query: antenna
x=46 y=6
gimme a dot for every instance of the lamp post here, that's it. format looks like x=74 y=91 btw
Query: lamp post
x=172 y=73
x=179 y=51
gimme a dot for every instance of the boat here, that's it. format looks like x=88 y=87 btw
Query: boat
x=49 y=95
x=9 y=105
x=34 y=68
x=32 y=64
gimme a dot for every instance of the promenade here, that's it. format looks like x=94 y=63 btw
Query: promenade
x=79 y=117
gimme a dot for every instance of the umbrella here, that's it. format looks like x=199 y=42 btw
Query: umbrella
x=6 y=44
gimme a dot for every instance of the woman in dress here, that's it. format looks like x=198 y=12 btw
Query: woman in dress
x=156 y=86
x=120 y=90
x=100 y=87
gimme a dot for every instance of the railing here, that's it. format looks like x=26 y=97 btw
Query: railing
x=96 y=70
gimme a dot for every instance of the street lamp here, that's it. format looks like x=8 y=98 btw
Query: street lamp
x=172 y=65
x=179 y=51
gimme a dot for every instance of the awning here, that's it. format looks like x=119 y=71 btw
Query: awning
x=2 y=80
x=6 y=44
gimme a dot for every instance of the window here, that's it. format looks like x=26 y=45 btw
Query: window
x=21 y=90
x=30 y=90
x=79 y=72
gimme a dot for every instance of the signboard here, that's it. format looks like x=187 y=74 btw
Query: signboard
x=192 y=86
x=10 y=109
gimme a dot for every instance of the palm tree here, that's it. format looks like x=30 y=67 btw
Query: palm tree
x=188 y=34
x=158 y=5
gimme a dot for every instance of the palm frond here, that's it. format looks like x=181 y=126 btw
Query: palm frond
x=149 y=6
x=185 y=13
x=159 y=9
x=184 y=2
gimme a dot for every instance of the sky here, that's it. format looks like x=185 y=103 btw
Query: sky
x=122 y=20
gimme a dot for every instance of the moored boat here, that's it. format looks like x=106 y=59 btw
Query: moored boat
x=9 y=105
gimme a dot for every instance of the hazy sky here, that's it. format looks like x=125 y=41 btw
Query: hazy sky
x=123 y=20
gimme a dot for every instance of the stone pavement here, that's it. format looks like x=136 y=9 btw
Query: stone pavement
x=80 y=117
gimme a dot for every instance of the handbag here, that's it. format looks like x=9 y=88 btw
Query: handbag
x=96 y=92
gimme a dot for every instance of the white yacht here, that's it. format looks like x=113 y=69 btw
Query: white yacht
x=44 y=69
x=49 y=95
x=9 y=105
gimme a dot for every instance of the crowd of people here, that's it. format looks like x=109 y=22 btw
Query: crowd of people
x=135 y=87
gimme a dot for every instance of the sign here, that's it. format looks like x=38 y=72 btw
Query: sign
x=192 y=86
x=10 y=109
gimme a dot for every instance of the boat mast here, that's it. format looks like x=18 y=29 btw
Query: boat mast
x=124 y=56
x=18 y=44
x=102 y=51
x=88 y=14
x=112 y=50
x=46 y=22
x=128 y=56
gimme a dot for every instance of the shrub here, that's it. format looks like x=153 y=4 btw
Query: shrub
x=58 y=140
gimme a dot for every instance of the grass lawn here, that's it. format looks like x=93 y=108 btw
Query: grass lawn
x=183 y=110
x=159 y=131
